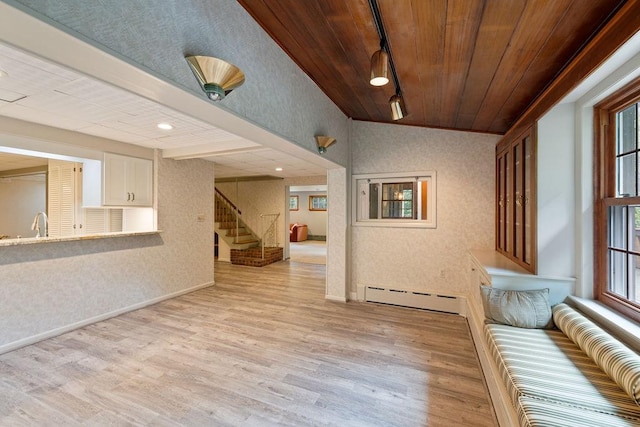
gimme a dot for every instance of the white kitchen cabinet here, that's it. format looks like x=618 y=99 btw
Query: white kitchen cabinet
x=127 y=181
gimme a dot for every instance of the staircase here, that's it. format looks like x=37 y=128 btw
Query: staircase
x=245 y=245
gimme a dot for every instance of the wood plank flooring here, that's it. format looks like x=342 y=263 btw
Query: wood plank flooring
x=260 y=348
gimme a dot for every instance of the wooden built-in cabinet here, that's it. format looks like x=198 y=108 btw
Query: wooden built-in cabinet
x=516 y=199
x=127 y=181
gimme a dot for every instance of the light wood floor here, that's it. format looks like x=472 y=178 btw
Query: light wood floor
x=260 y=348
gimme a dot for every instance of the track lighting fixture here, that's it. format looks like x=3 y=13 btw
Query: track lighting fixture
x=216 y=77
x=323 y=142
x=396 y=102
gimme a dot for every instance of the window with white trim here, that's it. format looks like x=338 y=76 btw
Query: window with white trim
x=395 y=200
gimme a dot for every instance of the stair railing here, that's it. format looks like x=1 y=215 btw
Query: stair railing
x=269 y=227
x=229 y=205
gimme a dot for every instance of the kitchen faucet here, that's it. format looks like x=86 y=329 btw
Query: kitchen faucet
x=36 y=224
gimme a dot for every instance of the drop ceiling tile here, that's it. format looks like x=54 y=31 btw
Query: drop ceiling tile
x=118 y=135
x=10 y=96
x=21 y=112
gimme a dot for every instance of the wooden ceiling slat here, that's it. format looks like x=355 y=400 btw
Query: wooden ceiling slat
x=537 y=21
x=554 y=56
x=291 y=29
x=470 y=65
x=499 y=20
x=463 y=21
x=622 y=26
x=429 y=19
x=357 y=47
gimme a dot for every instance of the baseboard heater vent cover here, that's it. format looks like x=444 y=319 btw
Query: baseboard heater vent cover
x=413 y=299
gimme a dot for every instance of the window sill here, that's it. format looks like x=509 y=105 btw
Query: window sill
x=33 y=240
x=395 y=224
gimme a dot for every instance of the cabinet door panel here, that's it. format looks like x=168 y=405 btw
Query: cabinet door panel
x=141 y=173
x=114 y=180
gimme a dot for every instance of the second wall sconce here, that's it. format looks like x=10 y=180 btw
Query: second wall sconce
x=323 y=142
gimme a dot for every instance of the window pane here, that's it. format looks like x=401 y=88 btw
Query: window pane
x=527 y=195
x=518 y=197
x=634 y=278
x=617 y=273
x=397 y=200
x=617 y=227
x=627 y=130
x=626 y=175
x=373 y=201
x=509 y=203
x=635 y=228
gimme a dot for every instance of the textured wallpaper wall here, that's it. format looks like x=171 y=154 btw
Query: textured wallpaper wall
x=49 y=286
x=156 y=36
x=426 y=259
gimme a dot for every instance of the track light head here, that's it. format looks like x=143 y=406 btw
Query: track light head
x=379 y=68
x=398 y=109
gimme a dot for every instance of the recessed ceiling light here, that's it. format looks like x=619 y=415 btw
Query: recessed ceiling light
x=165 y=126
x=278 y=169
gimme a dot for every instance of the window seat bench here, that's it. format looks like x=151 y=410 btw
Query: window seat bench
x=576 y=375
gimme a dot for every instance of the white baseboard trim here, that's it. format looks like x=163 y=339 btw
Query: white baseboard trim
x=335 y=298
x=500 y=399
x=68 y=328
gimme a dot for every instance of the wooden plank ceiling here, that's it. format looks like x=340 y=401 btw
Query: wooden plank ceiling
x=462 y=64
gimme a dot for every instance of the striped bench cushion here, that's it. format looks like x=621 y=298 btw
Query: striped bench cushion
x=546 y=365
x=537 y=413
x=617 y=360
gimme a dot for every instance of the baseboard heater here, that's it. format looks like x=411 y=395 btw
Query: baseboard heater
x=413 y=299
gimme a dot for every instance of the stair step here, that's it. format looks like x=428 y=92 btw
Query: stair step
x=239 y=233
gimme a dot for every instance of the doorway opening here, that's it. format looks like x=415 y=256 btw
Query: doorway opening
x=308 y=224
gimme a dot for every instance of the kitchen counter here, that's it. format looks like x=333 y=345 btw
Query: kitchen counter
x=34 y=240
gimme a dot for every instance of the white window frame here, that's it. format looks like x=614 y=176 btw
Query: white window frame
x=360 y=202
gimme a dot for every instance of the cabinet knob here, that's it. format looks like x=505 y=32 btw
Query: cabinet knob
x=128 y=197
x=133 y=197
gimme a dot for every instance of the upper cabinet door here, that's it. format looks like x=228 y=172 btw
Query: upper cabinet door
x=127 y=181
x=141 y=171
x=516 y=199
